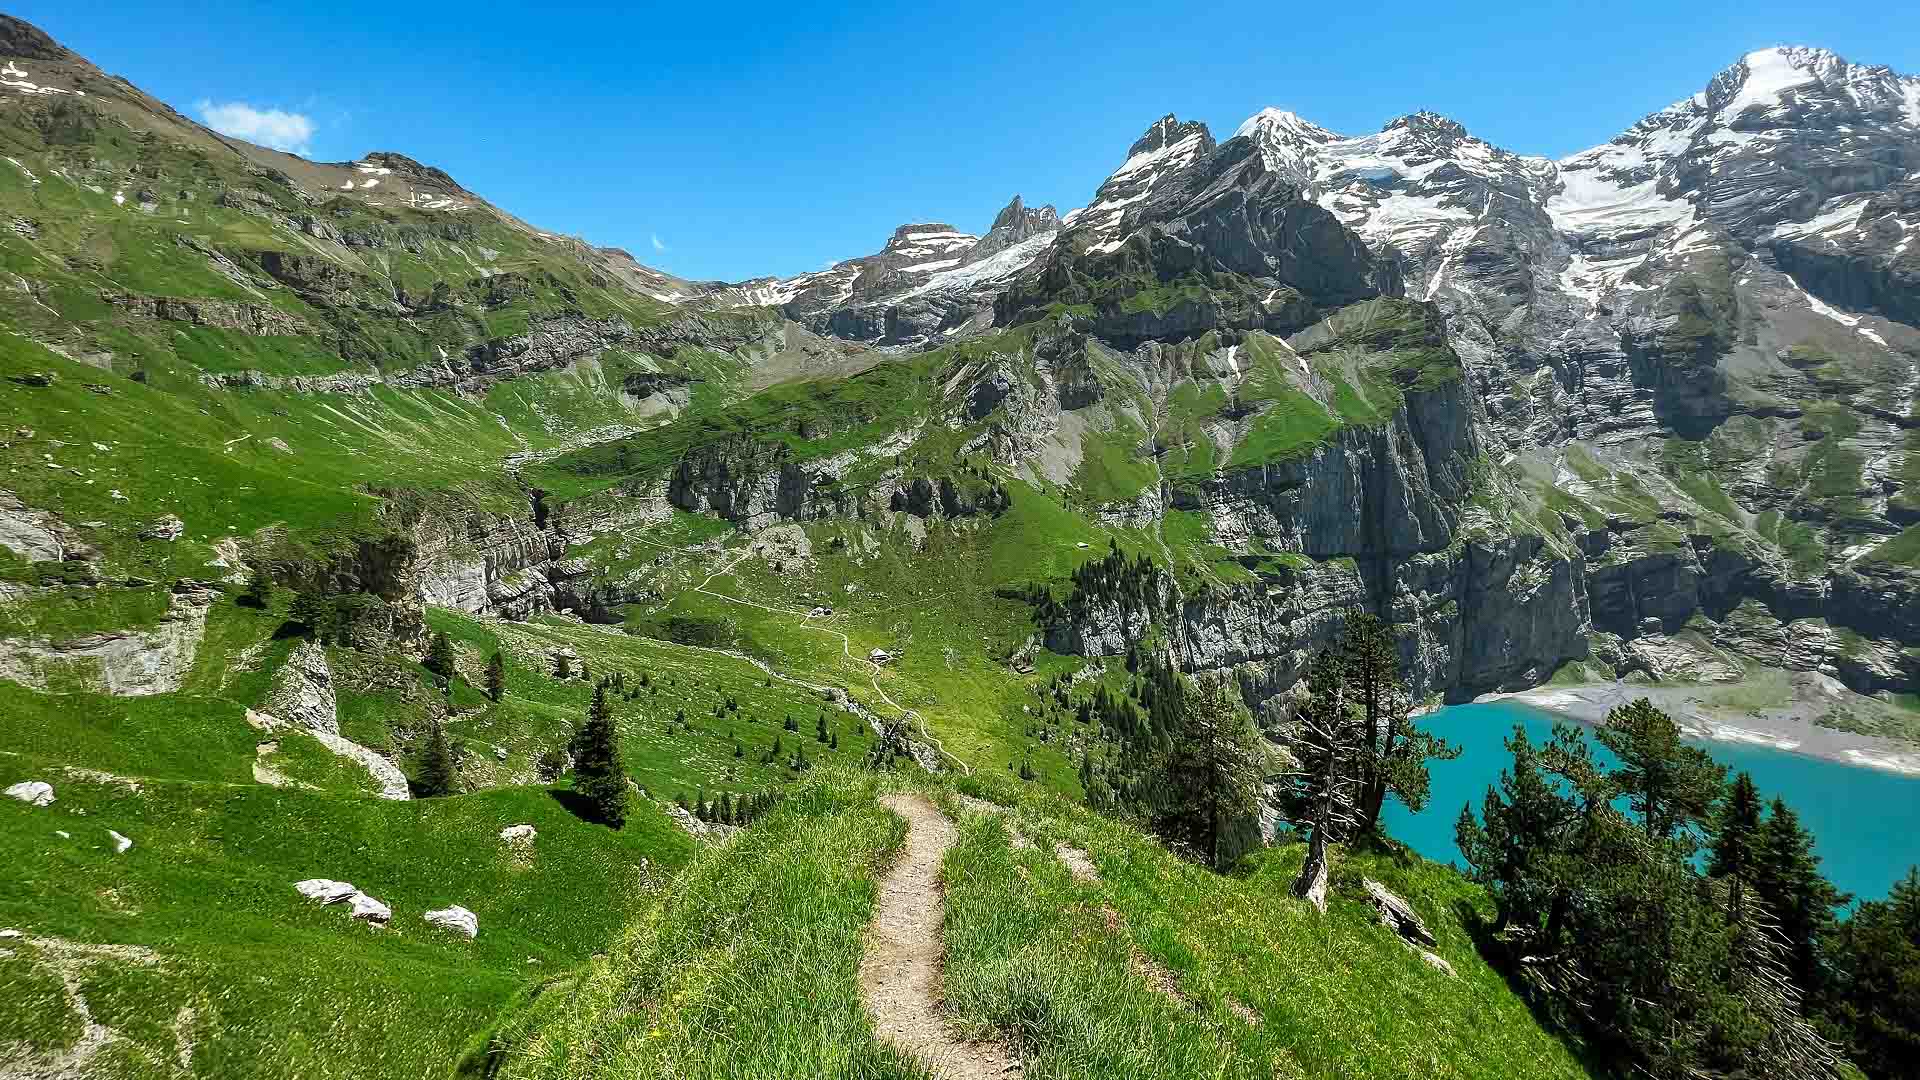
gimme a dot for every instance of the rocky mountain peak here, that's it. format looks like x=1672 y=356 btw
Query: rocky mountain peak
x=1429 y=126
x=23 y=40
x=1280 y=124
x=416 y=172
x=927 y=238
x=1797 y=85
x=1017 y=217
x=1171 y=133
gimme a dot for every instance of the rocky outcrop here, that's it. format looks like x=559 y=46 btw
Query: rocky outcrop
x=256 y=320
x=486 y=564
x=303 y=690
x=127 y=663
x=1398 y=916
x=392 y=783
x=34 y=535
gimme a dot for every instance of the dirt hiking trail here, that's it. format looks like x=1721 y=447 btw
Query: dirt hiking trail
x=900 y=969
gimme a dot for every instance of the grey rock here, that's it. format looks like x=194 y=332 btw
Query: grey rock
x=32 y=792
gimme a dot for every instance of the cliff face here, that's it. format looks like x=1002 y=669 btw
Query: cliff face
x=1381 y=514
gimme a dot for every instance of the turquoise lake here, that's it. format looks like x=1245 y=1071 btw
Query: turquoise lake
x=1865 y=822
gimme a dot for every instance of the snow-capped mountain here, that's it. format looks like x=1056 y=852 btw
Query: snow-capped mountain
x=930 y=280
x=1678 y=275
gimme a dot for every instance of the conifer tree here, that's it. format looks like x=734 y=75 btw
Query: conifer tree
x=1323 y=790
x=1523 y=823
x=436 y=765
x=1209 y=772
x=820 y=728
x=1670 y=785
x=259 y=590
x=1800 y=899
x=311 y=613
x=1394 y=751
x=496 y=676
x=597 y=771
x=439 y=658
x=1736 y=834
x=1875 y=1002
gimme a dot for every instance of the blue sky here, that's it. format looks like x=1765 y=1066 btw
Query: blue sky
x=728 y=141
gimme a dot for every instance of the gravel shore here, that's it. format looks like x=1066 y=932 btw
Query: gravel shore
x=1782 y=712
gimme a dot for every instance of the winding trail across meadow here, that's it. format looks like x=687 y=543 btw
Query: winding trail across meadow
x=846 y=648
x=900 y=966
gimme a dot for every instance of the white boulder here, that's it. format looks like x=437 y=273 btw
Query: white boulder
x=328 y=891
x=518 y=834
x=457 y=919
x=325 y=890
x=366 y=907
x=120 y=843
x=34 y=792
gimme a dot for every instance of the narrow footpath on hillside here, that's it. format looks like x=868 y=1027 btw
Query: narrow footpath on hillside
x=900 y=967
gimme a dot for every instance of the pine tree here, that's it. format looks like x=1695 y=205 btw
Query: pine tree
x=1801 y=900
x=1394 y=752
x=820 y=729
x=833 y=743
x=1209 y=773
x=550 y=765
x=439 y=658
x=1736 y=833
x=1026 y=770
x=496 y=676
x=259 y=590
x=312 y=614
x=436 y=765
x=597 y=772
x=1670 y=785
x=1875 y=1002
x=1323 y=791
x=1523 y=823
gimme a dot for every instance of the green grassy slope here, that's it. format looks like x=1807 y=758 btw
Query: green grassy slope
x=747 y=965
x=247 y=978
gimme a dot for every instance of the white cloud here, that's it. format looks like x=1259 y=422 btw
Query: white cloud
x=281 y=130
x=659 y=244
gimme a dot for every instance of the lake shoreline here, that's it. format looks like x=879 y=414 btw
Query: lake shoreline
x=1789 y=728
